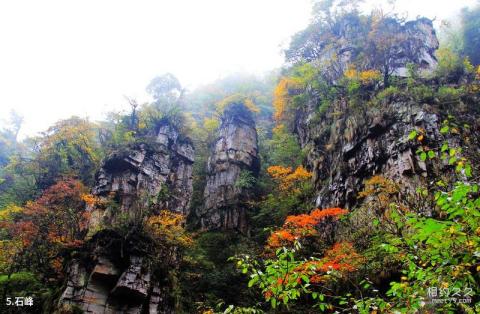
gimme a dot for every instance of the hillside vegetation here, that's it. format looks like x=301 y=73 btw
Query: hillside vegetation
x=345 y=182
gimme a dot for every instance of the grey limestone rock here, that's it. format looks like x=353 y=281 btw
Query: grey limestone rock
x=235 y=150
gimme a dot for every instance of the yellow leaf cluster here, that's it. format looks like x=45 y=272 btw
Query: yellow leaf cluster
x=8 y=251
x=351 y=73
x=210 y=124
x=10 y=210
x=365 y=77
x=168 y=227
x=287 y=177
x=369 y=76
x=281 y=96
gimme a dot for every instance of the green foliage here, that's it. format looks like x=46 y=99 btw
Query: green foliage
x=69 y=148
x=294 y=198
x=267 y=274
x=283 y=149
x=276 y=207
x=246 y=180
x=151 y=116
x=450 y=65
x=304 y=73
x=422 y=93
x=353 y=87
x=386 y=94
x=23 y=284
x=116 y=131
x=18 y=182
x=236 y=99
x=202 y=101
x=324 y=105
x=449 y=94
x=308 y=44
x=436 y=253
x=286 y=278
x=206 y=275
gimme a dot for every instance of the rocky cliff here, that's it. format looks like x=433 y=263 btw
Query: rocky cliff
x=114 y=274
x=349 y=144
x=234 y=155
x=160 y=168
x=355 y=139
x=410 y=42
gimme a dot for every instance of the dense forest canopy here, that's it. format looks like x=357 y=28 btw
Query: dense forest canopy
x=344 y=182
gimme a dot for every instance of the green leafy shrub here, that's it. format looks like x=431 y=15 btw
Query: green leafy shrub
x=436 y=253
x=324 y=105
x=449 y=94
x=385 y=95
x=246 y=180
x=23 y=284
x=450 y=66
x=422 y=93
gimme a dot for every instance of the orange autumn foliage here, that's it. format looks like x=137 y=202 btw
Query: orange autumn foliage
x=55 y=221
x=343 y=257
x=281 y=96
x=366 y=77
x=168 y=228
x=57 y=216
x=90 y=199
x=304 y=225
x=287 y=178
x=24 y=231
x=281 y=238
x=60 y=209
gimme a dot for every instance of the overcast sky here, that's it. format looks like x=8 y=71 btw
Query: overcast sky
x=64 y=57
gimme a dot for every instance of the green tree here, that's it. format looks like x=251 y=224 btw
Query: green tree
x=69 y=148
x=165 y=89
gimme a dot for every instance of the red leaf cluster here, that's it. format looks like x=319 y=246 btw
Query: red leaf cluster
x=303 y=225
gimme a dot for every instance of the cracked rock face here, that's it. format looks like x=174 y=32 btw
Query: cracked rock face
x=234 y=151
x=347 y=150
x=159 y=171
x=113 y=277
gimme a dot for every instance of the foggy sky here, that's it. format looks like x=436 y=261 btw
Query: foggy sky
x=61 y=58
